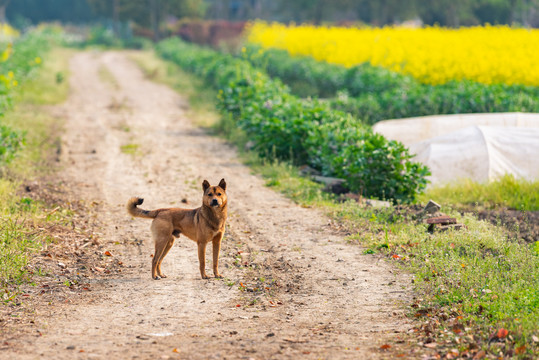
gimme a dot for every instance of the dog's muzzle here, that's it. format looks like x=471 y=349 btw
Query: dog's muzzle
x=214 y=202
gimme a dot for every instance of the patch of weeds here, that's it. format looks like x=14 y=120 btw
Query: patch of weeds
x=24 y=220
x=505 y=192
x=130 y=149
x=17 y=244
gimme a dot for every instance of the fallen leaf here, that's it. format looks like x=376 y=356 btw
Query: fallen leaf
x=107 y=253
x=175 y=350
x=535 y=338
x=520 y=350
x=238 y=305
x=431 y=345
x=385 y=347
x=480 y=354
x=395 y=256
x=502 y=333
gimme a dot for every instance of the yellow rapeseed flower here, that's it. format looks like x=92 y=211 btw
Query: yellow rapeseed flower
x=37 y=60
x=8 y=32
x=434 y=55
x=5 y=54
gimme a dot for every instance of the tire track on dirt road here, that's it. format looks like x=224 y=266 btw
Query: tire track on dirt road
x=325 y=299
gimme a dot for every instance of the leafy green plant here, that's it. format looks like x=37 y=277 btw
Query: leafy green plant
x=282 y=126
x=10 y=142
x=373 y=93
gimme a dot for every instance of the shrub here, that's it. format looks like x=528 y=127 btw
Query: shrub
x=310 y=132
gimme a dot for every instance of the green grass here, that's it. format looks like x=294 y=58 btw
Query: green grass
x=20 y=236
x=51 y=85
x=507 y=192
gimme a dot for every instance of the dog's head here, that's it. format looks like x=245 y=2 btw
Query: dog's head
x=214 y=196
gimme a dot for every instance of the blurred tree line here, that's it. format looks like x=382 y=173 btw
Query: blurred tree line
x=150 y=13
x=451 y=13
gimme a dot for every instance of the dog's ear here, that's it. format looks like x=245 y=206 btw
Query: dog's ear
x=205 y=185
x=222 y=184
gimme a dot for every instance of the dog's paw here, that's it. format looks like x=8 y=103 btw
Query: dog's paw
x=218 y=276
x=205 y=276
x=157 y=278
x=163 y=276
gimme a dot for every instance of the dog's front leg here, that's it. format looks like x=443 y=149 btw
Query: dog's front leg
x=216 y=248
x=202 y=259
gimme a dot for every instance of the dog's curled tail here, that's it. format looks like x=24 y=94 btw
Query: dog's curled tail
x=135 y=211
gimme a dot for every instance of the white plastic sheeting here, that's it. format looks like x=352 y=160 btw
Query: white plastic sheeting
x=480 y=147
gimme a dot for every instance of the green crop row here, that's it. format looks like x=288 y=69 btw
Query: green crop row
x=374 y=93
x=283 y=126
x=17 y=61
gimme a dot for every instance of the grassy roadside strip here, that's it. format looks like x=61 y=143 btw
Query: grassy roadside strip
x=471 y=285
x=22 y=216
x=506 y=192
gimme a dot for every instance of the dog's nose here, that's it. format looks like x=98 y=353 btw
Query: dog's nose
x=214 y=202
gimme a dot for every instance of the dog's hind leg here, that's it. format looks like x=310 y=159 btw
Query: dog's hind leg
x=161 y=236
x=163 y=254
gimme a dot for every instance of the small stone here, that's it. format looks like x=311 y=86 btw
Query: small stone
x=432 y=207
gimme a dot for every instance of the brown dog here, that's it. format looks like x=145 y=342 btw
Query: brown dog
x=202 y=225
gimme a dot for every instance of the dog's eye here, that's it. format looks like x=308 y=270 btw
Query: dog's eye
x=218 y=194
x=209 y=194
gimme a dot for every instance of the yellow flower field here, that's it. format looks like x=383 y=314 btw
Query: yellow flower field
x=434 y=55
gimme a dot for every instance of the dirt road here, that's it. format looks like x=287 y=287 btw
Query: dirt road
x=293 y=287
